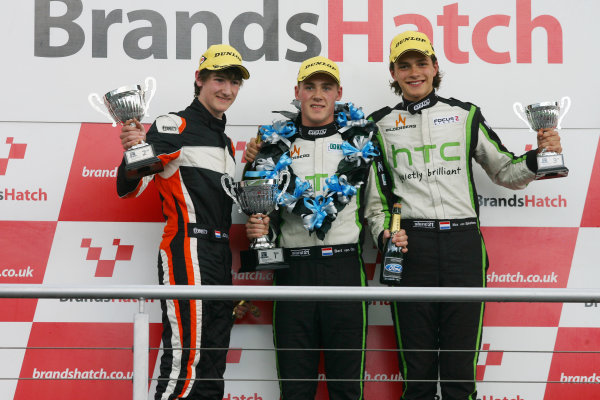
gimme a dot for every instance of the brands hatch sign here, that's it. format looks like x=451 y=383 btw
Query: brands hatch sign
x=303 y=30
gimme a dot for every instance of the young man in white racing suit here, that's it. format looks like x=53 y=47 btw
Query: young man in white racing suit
x=429 y=145
x=334 y=168
x=195 y=152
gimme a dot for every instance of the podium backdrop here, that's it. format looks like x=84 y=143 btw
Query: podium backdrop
x=61 y=221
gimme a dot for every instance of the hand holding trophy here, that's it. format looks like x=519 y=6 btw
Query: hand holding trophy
x=544 y=116
x=259 y=196
x=123 y=104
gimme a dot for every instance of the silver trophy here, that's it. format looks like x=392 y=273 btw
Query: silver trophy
x=125 y=103
x=542 y=116
x=258 y=196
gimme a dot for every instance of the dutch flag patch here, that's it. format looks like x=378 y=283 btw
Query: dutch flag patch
x=444 y=225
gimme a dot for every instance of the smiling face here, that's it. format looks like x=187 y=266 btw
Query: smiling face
x=318 y=94
x=217 y=92
x=414 y=72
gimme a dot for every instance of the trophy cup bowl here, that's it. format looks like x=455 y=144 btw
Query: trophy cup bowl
x=123 y=104
x=258 y=196
x=546 y=115
x=543 y=115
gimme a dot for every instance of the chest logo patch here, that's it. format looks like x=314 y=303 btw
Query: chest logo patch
x=334 y=147
x=295 y=153
x=447 y=120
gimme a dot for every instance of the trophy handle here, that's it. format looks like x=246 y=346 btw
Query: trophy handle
x=94 y=100
x=283 y=174
x=565 y=104
x=520 y=112
x=227 y=183
x=151 y=95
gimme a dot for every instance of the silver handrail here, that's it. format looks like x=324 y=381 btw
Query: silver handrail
x=141 y=292
x=434 y=294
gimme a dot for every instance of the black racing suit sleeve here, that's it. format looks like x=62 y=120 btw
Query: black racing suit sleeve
x=165 y=145
x=125 y=186
x=379 y=194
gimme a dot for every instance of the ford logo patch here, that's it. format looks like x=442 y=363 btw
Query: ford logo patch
x=393 y=268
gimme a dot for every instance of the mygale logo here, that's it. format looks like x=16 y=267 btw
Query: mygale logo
x=400 y=124
x=400 y=120
x=105 y=268
x=295 y=153
x=16 y=152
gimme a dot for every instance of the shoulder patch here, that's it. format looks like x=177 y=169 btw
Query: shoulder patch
x=456 y=103
x=169 y=123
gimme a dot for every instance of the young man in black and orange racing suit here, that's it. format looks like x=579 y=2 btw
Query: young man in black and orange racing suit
x=196 y=152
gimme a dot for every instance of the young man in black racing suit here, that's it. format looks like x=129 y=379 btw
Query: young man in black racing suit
x=195 y=152
x=334 y=181
x=429 y=145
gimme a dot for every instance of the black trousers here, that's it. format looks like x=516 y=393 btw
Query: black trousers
x=444 y=259
x=312 y=325
x=189 y=325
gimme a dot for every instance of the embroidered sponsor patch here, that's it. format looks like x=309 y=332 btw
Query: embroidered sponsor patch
x=334 y=147
x=168 y=128
x=316 y=132
x=300 y=252
x=422 y=104
x=446 y=120
x=423 y=224
x=200 y=231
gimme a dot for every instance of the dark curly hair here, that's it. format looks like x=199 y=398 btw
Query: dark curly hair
x=437 y=79
x=231 y=73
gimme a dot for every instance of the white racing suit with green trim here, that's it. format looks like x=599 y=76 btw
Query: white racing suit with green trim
x=334 y=261
x=429 y=148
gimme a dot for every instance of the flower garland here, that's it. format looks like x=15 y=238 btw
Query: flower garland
x=318 y=212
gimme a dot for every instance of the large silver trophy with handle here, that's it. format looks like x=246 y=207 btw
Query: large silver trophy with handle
x=542 y=116
x=258 y=196
x=123 y=104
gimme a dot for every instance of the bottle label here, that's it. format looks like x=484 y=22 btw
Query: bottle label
x=391 y=273
x=394 y=268
x=395 y=225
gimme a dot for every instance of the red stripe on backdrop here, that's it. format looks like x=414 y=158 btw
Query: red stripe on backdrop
x=84 y=363
x=91 y=191
x=591 y=210
x=579 y=373
x=25 y=248
x=529 y=258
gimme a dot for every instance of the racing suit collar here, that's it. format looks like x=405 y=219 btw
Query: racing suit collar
x=316 y=132
x=417 y=106
x=207 y=118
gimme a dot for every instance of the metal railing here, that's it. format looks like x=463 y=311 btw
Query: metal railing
x=141 y=337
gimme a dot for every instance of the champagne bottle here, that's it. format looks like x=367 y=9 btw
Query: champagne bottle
x=393 y=257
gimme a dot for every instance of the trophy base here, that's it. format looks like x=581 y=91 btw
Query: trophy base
x=140 y=160
x=262 y=260
x=551 y=165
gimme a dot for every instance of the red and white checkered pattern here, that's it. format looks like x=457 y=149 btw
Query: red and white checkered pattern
x=80 y=232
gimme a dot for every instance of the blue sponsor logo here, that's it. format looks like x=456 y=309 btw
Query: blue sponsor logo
x=396 y=268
